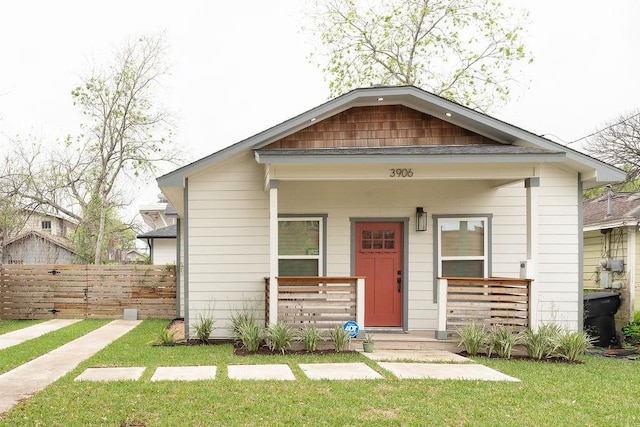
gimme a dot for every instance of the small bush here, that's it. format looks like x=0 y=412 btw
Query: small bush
x=473 y=337
x=280 y=336
x=340 y=338
x=203 y=327
x=571 y=345
x=502 y=340
x=251 y=335
x=631 y=332
x=543 y=342
x=310 y=336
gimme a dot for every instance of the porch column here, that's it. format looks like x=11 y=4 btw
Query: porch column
x=441 y=332
x=273 y=251
x=631 y=268
x=531 y=185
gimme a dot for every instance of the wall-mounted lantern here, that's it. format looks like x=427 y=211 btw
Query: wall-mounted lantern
x=421 y=219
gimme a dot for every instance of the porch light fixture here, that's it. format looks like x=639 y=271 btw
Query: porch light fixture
x=448 y=114
x=421 y=219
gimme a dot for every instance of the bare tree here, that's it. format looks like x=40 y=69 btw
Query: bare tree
x=125 y=137
x=463 y=50
x=618 y=143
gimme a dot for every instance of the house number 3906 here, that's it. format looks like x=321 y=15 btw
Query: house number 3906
x=401 y=173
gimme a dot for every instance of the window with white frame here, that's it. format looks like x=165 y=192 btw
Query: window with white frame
x=300 y=248
x=463 y=246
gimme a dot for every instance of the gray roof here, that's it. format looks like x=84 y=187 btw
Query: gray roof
x=169 y=232
x=624 y=207
x=422 y=153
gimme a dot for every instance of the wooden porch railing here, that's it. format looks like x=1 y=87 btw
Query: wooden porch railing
x=322 y=301
x=488 y=301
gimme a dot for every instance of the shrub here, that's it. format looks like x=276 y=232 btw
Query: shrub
x=340 y=338
x=502 y=339
x=542 y=342
x=280 y=336
x=631 y=332
x=571 y=345
x=473 y=337
x=310 y=336
x=251 y=335
x=203 y=327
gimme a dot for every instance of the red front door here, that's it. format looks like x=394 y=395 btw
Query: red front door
x=379 y=259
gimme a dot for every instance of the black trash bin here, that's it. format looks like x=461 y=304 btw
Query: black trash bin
x=599 y=311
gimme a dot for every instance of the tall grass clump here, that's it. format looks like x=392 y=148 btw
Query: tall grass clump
x=542 y=343
x=251 y=335
x=502 y=339
x=242 y=320
x=310 y=336
x=204 y=327
x=340 y=338
x=473 y=337
x=280 y=336
x=572 y=345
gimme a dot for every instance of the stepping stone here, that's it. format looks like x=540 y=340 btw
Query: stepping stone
x=339 y=371
x=260 y=372
x=442 y=371
x=416 y=356
x=111 y=374
x=184 y=373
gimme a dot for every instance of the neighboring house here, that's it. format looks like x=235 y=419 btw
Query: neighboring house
x=134 y=256
x=612 y=249
x=44 y=239
x=391 y=184
x=162 y=245
x=37 y=247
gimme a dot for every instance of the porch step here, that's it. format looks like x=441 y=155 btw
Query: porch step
x=420 y=340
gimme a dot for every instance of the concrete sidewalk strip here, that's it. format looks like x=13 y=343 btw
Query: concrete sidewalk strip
x=339 y=371
x=416 y=356
x=25 y=380
x=111 y=374
x=260 y=372
x=184 y=373
x=442 y=371
x=25 y=334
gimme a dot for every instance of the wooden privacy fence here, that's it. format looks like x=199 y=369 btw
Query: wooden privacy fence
x=81 y=291
x=322 y=301
x=490 y=301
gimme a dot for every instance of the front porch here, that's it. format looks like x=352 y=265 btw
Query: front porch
x=329 y=301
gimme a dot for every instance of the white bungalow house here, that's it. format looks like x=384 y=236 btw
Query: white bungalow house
x=390 y=206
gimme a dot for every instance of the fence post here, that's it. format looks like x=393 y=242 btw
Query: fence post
x=533 y=305
x=441 y=332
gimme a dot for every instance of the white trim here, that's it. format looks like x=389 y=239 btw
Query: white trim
x=484 y=257
x=273 y=257
x=320 y=256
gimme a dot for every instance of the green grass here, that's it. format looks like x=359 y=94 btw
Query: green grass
x=8 y=325
x=16 y=355
x=601 y=391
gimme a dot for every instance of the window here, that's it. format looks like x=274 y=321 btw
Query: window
x=463 y=246
x=46 y=225
x=300 y=247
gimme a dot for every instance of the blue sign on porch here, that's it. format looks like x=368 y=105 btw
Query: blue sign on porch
x=351 y=327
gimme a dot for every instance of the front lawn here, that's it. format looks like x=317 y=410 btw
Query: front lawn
x=9 y=325
x=601 y=391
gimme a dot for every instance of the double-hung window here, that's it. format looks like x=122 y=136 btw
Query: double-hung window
x=463 y=246
x=300 y=248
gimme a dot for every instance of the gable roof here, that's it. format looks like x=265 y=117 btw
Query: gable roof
x=614 y=210
x=594 y=172
x=60 y=241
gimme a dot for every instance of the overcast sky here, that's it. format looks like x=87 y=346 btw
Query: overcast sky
x=241 y=67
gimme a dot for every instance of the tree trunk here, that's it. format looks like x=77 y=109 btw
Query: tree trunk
x=100 y=238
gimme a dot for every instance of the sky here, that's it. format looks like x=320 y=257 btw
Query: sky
x=241 y=67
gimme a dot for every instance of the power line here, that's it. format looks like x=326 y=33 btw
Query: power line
x=602 y=130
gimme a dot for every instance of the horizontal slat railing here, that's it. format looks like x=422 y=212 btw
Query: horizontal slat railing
x=79 y=291
x=322 y=301
x=487 y=301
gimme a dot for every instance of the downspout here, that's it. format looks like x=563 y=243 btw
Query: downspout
x=580 y=255
x=178 y=267
x=186 y=257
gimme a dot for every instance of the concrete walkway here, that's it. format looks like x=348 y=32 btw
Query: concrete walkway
x=25 y=334
x=26 y=380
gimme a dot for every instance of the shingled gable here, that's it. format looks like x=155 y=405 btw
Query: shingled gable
x=421 y=119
